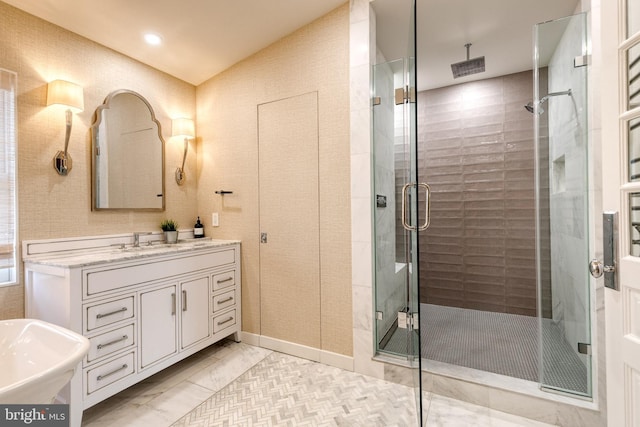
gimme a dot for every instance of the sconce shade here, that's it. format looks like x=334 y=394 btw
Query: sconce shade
x=65 y=93
x=183 y=127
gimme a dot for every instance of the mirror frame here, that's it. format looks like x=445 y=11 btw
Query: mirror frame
x=94 y=135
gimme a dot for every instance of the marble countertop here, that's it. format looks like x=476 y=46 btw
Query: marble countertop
x=83 y=258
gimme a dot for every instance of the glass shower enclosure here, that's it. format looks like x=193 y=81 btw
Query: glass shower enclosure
x=397 y=195
x=396 y=202
x=563 y=231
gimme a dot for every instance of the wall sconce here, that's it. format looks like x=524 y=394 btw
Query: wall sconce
x=70 y=95
x=182 y=127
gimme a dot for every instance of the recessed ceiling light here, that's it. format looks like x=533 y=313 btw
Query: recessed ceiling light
x=153 y=39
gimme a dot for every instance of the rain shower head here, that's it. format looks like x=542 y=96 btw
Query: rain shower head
x=468 y=67
x=530 y=107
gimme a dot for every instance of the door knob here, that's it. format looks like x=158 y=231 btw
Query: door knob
x=596 y=268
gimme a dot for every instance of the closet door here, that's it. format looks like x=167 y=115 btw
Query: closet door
x=289 y=220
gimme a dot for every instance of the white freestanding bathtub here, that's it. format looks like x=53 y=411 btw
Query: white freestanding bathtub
x=37 y=360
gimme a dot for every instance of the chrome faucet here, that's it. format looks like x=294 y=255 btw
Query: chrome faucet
x=136 y=237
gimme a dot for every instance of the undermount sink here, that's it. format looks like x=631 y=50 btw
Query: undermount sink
x=37 y=360
x=146 y=247
x=187 y=243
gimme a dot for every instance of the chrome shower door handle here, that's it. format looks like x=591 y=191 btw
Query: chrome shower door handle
x=607 y=267
x=596 y=268
x=403 y=213
x=427 y=201
x=427 y=206
x=610 y=249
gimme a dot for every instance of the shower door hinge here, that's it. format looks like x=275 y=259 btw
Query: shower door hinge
x=584 y=348
x=581 y=61
x=379 y=315
x=400 y=96
x=404 y=95
x=376 y=101
x=408 y=320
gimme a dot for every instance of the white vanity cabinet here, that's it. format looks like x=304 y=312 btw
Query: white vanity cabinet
x=141 y=310
x=194 y=306
x=157 y=325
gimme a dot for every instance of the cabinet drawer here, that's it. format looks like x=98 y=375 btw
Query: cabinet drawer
x=120 y=277
x=103 y=375
x=109 y=312
x=225 y=300
x=110 y=342
x=224 y=280
x=224 y=321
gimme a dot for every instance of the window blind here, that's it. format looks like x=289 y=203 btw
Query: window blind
x=8 y=240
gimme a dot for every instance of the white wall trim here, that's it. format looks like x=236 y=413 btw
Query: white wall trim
x=310 y=353
x=337 y=360
x=249 y=338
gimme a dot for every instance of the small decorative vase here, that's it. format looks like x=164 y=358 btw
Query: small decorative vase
x=171 y=236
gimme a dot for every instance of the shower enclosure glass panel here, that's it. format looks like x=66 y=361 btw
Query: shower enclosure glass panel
x=391 y=240
x=396 y=200
x=397 y=334
x=563 y=204
x=395 y=246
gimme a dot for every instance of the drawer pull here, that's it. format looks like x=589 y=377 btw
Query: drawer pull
x=116 y=341
x=225 y=300
x=225 y=321
x=173 y=304
x=228 y=279
x=184 y=300
x=115 y=371
x=111 y=313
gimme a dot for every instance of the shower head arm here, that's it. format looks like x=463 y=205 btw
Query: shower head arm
x=468 y=45
x=549 y=95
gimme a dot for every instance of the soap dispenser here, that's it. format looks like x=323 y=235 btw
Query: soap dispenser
x=198 y=229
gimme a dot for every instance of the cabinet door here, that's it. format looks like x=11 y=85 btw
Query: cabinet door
x=157 y=324
x=194 y=311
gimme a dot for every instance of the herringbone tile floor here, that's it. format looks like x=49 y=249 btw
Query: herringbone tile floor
x=239 y=385
x=283 y=390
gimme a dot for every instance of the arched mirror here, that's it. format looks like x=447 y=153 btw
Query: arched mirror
x=127 y=154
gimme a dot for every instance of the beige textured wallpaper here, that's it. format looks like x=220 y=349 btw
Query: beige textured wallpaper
x=54 y=206
x=314 y=58
x=224 y=156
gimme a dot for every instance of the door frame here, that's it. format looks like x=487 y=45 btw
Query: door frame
x=616 y=188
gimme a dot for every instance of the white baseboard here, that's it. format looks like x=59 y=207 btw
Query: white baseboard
x=328 y=358
x=338 y=360
x=249 y=338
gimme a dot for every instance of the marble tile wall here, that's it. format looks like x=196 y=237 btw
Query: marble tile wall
x=362 y=54
x=568 y=170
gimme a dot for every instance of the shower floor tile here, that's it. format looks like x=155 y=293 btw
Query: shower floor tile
x=501 y=343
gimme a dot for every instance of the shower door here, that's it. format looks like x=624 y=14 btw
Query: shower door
x=396 y=215
x=396 y=197
x=563 y=230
